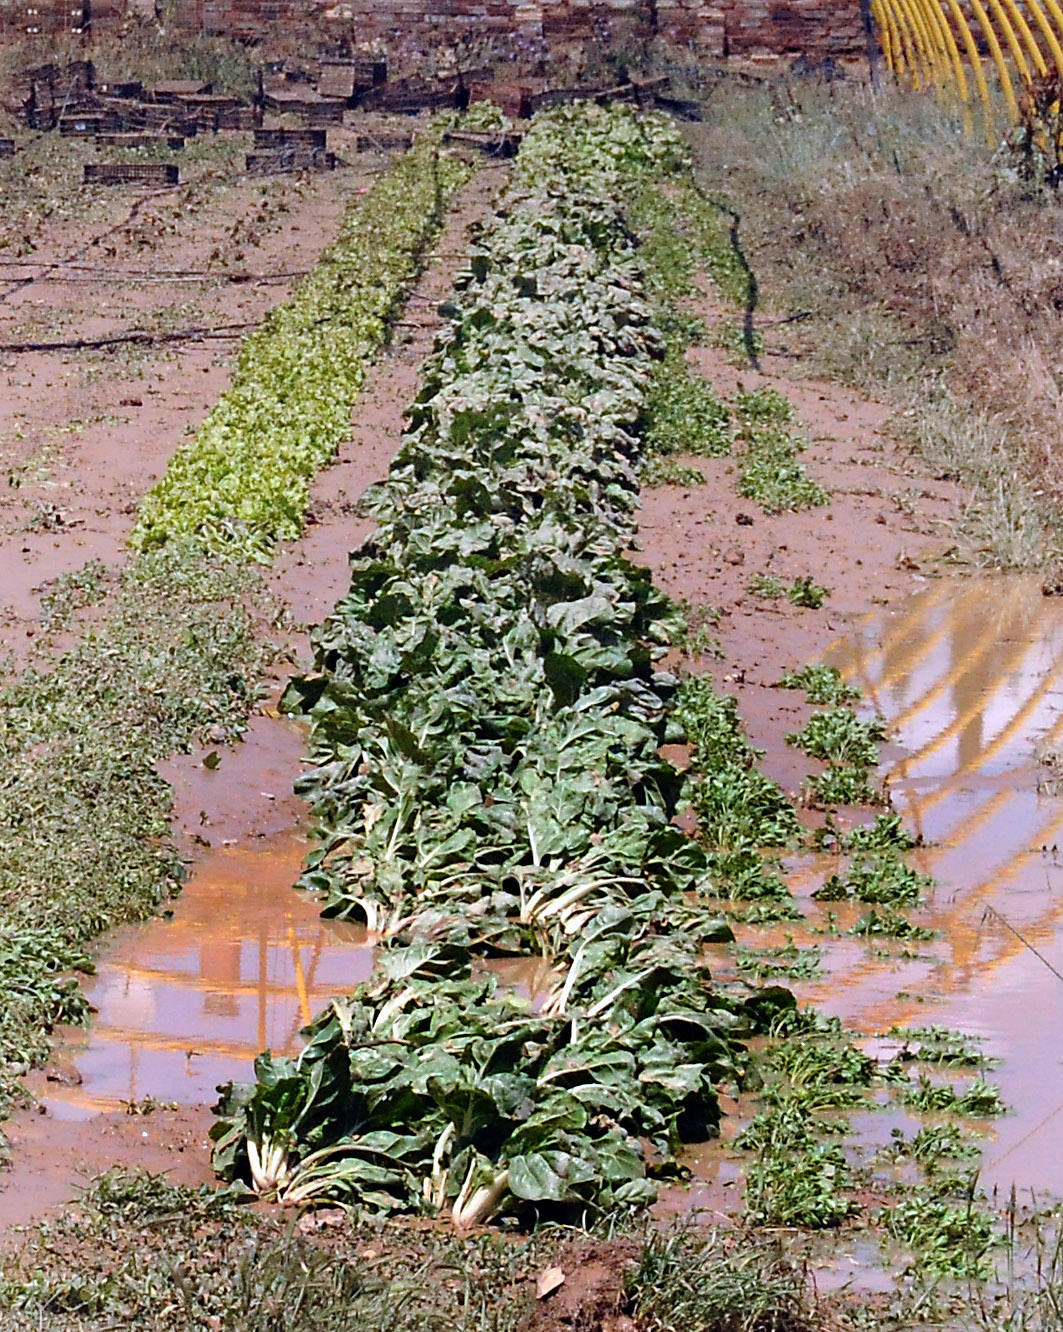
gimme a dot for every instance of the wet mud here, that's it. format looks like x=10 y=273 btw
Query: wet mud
x=187 y=1003
x=969 y=676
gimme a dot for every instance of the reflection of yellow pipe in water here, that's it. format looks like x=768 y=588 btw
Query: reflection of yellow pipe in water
x=300 y=979
x=1005 y=734
x=959 y=722
x=956 y=672
x=885 y=645
x=957 y=930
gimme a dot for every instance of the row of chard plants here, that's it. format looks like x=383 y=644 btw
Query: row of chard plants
x=487 y=718
x=243 y=482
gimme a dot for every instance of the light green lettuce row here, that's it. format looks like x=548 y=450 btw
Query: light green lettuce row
x=243 y=482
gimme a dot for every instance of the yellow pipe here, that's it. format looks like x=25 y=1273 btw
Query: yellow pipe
x=926 y=37
x=1018 y=18
x=998 y=58
x=974 y=56
x=947 y=42
x=1048 y=33
x=921 y=56
x=884 y=23
x=907 y=54
x=1056 y=14
x=997 y=10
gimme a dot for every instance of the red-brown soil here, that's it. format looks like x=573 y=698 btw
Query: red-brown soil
x=885 y=531
x=248 y=798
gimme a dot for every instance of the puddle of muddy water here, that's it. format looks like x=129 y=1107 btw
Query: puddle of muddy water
x=188 y=1002
x=969 y=676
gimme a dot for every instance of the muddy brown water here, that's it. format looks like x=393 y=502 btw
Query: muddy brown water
x=187 y=1002
x=970 y=677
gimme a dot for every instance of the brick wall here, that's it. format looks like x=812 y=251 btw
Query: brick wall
x=715 y=28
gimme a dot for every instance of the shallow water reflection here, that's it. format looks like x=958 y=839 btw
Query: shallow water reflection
x=970 y=678
x=187 y=1002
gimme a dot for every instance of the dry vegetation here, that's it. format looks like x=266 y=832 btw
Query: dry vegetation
x=918 y=264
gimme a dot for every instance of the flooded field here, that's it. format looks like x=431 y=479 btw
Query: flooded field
x=969 y=676
x=185 y=1003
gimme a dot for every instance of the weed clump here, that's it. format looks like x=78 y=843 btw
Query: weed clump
x=823 y=685
x=803 y=592
x=737 y=806
x=795 y=1178
x=685 y=415
x=771 y=473
x=949 y=1237
x=839 y=736
x=716 y=1284
x=878 y=878
x=979 y=1099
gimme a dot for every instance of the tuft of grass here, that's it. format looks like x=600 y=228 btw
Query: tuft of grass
x=823 y=685
x=978 y=1100
x=820 y=1064
x=732 y=338
x=951 y=1238
x=892 y=925
x=745 y=874
x=717 y=1283
x=791 y=960
x=766 y=912
x=667 y=472
x=842 y=784
x=72 y=592
x=939 y=1045
x=934 y=1143
x=839 y=736
x=767 y=586
x=697 y=638
x=685 y=416
x=771 y=473
x=795 y=1179
x=803 y=591
x=736 y=805
x=878 y=878
x=886 y=832
x=807 y=593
